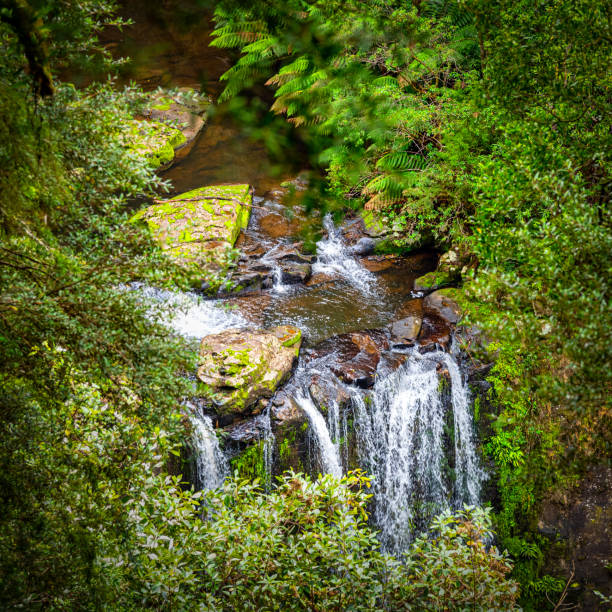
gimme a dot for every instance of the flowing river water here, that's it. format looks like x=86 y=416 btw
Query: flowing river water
x=413 y=429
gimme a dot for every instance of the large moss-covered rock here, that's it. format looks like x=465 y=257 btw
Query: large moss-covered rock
x=238 y=368
x=199 y=227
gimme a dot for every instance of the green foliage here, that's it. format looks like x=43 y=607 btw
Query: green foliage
x=307 y=545
x=250 y=464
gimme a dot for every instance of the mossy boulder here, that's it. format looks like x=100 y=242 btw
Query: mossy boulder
x=447 y=273
x=184 y=110
x=199 y=228
x=239 y=368
x=154 y=140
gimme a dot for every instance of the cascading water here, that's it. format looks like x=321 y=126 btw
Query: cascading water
x=401 y=443
x=188 y=314
x=328 y=452
x=268 y=447
x=210 y=464
x=334 y=258
x=468 y=471
x=400 y=436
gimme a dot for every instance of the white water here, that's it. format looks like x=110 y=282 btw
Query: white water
x=268 y=448
x=468 y=471
x=334 y=258
x=400 y=437
x=187 y=313
x=210 y=463
x=328 y=452
x=400 y=431
x=278 y=286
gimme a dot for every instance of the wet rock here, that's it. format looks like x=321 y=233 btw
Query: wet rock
x=293 y=272
x=243 y=434
x=252 y=307
x=325 y=393
x=435 y=334
x=290 y=427
x=276 y=226
x=406 y=330
x=380 y=263
x=365 y=246
x=238 y=368
x=355 y=355
x=182 y=110
x=198 y=228
x=443 y=303
x=321 y=279
x=410 y=308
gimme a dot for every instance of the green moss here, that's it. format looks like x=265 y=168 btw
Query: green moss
x=372 y=223
x=435 y=279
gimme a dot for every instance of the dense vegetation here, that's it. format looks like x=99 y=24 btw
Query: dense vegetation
x=476 y=125
x=481 y=126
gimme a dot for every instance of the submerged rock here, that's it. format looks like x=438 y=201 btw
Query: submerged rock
x=239 y=368
x=199 y=228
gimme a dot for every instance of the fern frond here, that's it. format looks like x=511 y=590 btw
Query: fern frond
x=401 y=160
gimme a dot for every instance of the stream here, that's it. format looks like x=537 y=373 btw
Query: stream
x=406 y=419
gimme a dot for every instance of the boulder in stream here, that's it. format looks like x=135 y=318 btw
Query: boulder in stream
x=199 y=228
x=445 y=304
x=406 y=330
x=239 y=368
x=184 y=110
x=154 y=140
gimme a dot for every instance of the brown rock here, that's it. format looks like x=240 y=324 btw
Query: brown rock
x=406 y=330
x=443 y=306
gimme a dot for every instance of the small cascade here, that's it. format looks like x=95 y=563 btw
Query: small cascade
x=279 y=286
x=187 y=314
x=334 y=258
x=401 y=442
x=328 y=452
x=469 y=474
x=210 y=464
x=268 y=448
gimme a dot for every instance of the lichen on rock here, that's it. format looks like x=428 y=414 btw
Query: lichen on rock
x=154 y=140
x=199 y=228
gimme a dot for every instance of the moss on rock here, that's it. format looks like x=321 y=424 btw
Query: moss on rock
x=239 y=368
x=199 y=228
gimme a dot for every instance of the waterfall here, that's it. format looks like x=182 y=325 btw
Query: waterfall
x=468 y=471
x=277 y=274
x=400 y=436
x=334 y=258
x=401 y=443
x=210 y=464
x=328 y=452
x=268 y=447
